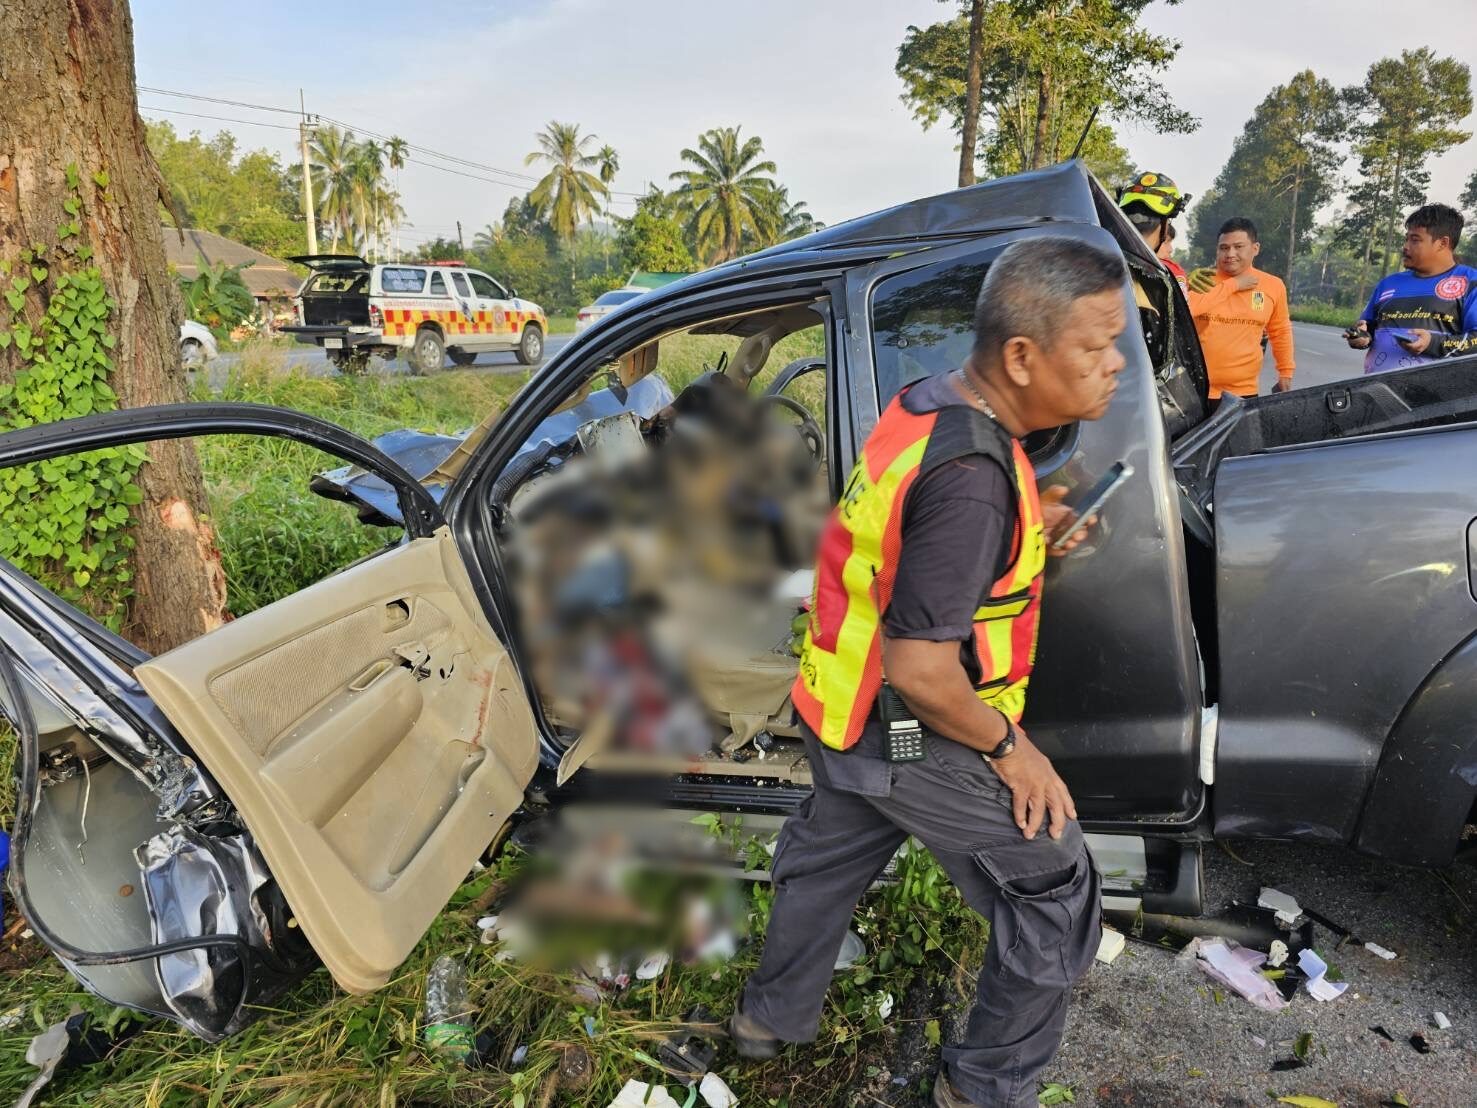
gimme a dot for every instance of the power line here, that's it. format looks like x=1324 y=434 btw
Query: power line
x=221 y=118
x=453 y=158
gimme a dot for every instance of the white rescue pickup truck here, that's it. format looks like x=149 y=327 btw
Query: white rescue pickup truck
x=352 y=309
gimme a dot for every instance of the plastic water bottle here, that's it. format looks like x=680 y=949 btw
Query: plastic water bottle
x=448 y=1029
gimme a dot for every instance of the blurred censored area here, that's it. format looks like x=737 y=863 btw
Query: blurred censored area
x=660 y=547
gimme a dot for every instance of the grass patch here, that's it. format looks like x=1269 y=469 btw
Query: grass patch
x=561 y=324
x=1314 y=311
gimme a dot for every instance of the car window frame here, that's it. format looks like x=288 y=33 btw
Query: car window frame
x=497 y=293
x=435 y=279
x=460 y=283
x=388 y=269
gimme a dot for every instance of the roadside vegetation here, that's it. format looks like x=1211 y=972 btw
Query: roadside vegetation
x=1331 y=315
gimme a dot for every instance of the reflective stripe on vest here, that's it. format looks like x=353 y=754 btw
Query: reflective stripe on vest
x=841 y=661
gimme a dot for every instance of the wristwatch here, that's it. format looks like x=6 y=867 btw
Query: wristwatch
x=1005 y=745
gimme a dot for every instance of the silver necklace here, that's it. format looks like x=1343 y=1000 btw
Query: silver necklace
x=979 y=396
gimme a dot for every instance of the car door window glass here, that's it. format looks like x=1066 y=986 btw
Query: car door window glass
x=402 y=280
x=923 y=324
x=485 y=287
x=460 y=282
x=438 y=285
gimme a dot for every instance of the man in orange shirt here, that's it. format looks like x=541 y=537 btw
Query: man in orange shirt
x=1234 y=305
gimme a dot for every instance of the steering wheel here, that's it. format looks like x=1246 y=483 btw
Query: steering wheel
x=809 y=430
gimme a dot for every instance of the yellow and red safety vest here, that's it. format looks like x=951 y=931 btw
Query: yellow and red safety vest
x=841 y=661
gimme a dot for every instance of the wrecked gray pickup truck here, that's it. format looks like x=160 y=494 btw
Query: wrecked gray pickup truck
x=1270 y=633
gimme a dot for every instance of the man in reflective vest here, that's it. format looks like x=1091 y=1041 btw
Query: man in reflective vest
x=913 y=679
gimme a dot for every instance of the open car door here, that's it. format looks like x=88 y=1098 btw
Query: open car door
x=370 y=730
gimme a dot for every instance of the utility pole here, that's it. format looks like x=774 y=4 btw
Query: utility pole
x=309 y=208
x=460 y=244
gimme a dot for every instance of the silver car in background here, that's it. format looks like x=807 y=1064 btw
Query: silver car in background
x=606 y=303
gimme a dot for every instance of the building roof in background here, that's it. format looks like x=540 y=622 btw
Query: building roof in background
x=264 y=275
x=640 y=280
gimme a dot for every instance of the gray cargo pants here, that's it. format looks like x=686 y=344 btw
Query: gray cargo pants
x=1040 y=895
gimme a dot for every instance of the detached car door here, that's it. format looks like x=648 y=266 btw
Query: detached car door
x=370 y=729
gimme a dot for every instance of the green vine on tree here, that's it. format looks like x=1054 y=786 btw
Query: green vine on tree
x=67 y=519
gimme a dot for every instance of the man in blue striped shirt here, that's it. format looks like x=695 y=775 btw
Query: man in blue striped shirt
x=1430 y=310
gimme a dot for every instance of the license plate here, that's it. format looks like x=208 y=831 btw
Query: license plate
x=333 y=344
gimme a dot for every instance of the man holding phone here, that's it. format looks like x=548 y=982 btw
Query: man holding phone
x=1430 y=310
x=921 y=640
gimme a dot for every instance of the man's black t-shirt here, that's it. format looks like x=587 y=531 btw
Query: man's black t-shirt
x=958 y=521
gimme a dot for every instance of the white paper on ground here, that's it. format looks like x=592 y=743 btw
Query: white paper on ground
x=1379 y=951
x=1441 y=1021
x=1286 y=907
x=653 y=967
x=638 y=1094
x=1277 y=954
x=715 y=1092
x=1319 y=987
x=1237 y=967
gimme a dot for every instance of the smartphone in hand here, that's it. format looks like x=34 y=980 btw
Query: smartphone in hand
x=1091 y=502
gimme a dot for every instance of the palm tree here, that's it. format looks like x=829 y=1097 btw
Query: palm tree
x=368 y=189
x=783 y=220
x=397 y=153
x=332 y=157
x=569 y=193
x=610 y=165
x=488 y=237
x=724 y=196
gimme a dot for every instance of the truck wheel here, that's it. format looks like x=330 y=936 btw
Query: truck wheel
x=531 y=348
x=428 y=353
x=462 y=357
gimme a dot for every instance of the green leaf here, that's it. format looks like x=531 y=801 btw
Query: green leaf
x=109 y=341
x=1302 y=1101
x=71 y=205
x=4 y=339
x=1399 y=1100
x=38 y=273
x=932 y=1033
x=74 y=177
x=16 y=300
x=101 y=178
x=1303 y=1046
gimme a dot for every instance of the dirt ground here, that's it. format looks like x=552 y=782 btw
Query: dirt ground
x=1148 y=1031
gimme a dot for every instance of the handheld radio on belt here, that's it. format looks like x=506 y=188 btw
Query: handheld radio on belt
x=904 y=733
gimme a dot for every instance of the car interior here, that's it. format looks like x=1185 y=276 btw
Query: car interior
x=659 y=564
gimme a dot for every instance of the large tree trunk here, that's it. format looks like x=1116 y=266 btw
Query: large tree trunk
x=67 y=70
x=969 y=139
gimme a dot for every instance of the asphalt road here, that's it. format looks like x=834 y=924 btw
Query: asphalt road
x=315 y=362
x=1321 y=355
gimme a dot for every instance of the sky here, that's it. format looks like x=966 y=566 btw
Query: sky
x=477 y=79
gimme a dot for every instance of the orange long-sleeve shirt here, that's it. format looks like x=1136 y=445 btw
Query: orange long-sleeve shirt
x=1230 y=323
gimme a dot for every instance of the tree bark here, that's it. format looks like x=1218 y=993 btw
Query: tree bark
x=969 y=133
x=1292 y=224
x=67 y=70
x=1043 y=118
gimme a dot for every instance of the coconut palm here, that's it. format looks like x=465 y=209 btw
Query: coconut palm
x=610 y=165
x=488 y=237
x=569 y=193
x=332 y=157
x=367 y=190
x=397 y=153
x=724 y=196
x=783 y=220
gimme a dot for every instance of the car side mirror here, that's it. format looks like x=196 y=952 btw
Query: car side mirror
x=513 y=292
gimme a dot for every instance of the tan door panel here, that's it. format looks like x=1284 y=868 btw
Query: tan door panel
x=374 y=736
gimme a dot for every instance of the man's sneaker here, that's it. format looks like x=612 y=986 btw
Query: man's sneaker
x=944 y=1095
x=750 y=1039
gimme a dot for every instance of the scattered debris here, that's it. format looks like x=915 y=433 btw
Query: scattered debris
x=1421 y=1043
x=1261 y=1042
x=576 y=1068
x=1441 y=1021
x=638 y=1094
x=1302 y=1101
x=882 y=1004
x=1303 y=1046
x=1316 y=970
x=1282 y=1065
x=1277 y=953
x=448 y=1030
x=1236 y=967
x=716 y=1093
x=12 y=1017
x=45 y=1053
x=1245 y=924
x=686 y=1054
x=519 y=1054
x=852 y=951
x=653 y=967
x=1110 y=946
x=1287 y=908
x=1382 y=1033
x=1379 y=951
